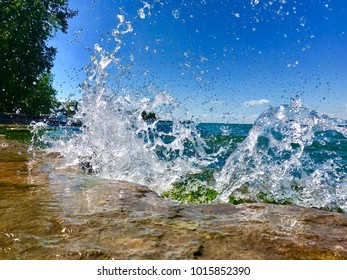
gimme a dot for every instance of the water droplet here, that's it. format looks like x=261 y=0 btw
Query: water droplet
x=176 y=13
x=237 y=15
x=141 y=13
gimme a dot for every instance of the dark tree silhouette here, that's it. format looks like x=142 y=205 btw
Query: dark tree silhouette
x=25 y=58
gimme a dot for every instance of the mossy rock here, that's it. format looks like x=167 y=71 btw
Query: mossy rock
x=192 y=189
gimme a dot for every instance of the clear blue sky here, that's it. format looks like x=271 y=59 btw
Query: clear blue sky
x=224 y=61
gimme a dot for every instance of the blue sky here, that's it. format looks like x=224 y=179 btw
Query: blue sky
x=223 y=61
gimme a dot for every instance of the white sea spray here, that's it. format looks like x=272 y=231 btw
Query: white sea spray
x=288 y=157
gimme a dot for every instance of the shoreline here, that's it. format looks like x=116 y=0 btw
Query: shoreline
x=85 y=217
x=20 y=119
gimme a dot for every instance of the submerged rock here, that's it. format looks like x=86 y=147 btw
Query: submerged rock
x=46 y=214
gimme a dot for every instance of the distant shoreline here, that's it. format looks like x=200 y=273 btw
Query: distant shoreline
x=12 y=118
x=23 y=119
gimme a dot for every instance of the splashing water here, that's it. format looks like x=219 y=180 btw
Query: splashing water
x=280 y=161
x=291 y=155
x=115 y=141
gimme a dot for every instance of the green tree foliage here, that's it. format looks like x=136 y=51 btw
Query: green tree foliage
x=40 y=97
x=67 y=108
x=25 y=58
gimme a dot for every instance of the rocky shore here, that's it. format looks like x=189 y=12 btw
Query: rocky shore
x=49 y=214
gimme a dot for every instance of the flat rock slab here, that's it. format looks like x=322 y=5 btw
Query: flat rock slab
x=46 y=214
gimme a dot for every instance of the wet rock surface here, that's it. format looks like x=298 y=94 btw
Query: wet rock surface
x=46 y=214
